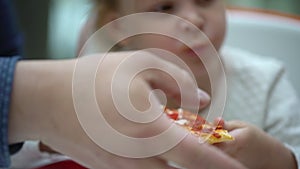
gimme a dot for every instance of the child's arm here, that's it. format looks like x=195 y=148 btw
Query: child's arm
x=256 y=149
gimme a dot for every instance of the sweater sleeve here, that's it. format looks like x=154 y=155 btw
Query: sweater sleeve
x=282 y=120
x=7 y=67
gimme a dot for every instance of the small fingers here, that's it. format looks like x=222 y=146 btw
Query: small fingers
x=227 y=147
x=235 y=124
x=193 y=155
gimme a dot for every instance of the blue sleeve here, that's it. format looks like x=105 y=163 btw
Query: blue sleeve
x=10 y=49
x=7 y=67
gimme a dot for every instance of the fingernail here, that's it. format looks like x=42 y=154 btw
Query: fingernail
x=204 y=97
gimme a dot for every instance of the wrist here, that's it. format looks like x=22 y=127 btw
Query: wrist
x=40 y=90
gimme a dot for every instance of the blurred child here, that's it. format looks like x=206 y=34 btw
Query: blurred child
x=258 y=90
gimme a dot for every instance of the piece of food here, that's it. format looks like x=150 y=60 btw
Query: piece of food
x=199 y=126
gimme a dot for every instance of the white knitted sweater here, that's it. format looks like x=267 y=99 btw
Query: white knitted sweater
x=259 y=93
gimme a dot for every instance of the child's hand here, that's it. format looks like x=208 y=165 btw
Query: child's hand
x=255 y=148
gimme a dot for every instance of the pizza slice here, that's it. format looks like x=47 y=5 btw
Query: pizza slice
x=199 y=126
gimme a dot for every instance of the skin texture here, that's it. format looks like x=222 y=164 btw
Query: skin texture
x=42 y=109
x=252 y=145
x=209 y=17
x=206 y=16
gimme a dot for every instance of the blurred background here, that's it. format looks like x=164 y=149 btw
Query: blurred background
x=285 y=6
x=50 y=27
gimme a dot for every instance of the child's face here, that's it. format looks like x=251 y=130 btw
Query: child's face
x=207 y=15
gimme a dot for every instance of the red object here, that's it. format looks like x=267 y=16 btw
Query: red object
x=217 y=135
x=198 y=124
x=172 y=114
x=68 y=164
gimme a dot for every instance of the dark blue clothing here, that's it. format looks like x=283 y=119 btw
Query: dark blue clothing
x=10 y=39
x=7 y=66
x=10 y=47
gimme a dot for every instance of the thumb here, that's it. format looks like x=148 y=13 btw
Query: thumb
x=204 y=98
